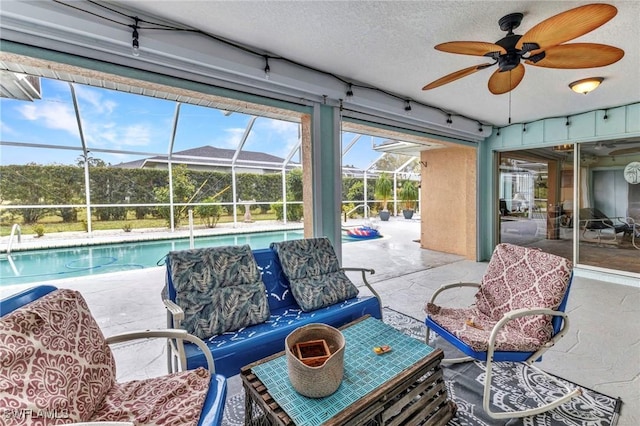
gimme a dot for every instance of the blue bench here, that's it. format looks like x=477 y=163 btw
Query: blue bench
x=235 y=349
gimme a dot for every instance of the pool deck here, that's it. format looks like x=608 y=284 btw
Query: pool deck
x=601 y=350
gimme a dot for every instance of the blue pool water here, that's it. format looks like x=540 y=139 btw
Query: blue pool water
x=24 y=267
x=52 y=264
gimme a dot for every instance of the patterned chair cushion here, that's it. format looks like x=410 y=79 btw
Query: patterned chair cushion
x=54 y=357
x=520 y=277
x=175 y=399
x=474 y=328
x=314 y=274
x=219 y=289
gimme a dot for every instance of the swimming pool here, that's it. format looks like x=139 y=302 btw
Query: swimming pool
x=24 y=267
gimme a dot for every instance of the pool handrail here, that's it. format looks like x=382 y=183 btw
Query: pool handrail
x=15 y=227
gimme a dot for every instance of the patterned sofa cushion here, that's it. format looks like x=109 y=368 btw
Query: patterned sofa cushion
x=313 y=270
x=54 y=357
x=520 y=277
x=219 y=289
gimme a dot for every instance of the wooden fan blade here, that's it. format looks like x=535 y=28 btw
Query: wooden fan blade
x=506 y=81
x=579 y=55
x=455 y=76
x=475 y=48
x=568 y=25
x=625 y=151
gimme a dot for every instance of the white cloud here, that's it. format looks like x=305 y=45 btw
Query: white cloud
x=230 y=138
x=113 y=136
x=5 y=129
x=137 y=135
x=276 y=137
x=53 y=115
x=95 y=99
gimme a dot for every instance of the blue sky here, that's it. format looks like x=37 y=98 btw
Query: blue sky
x=128 y=122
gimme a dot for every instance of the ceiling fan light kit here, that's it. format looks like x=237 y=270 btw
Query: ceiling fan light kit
x=586 y=85
x=564 y=148
x=541 y=46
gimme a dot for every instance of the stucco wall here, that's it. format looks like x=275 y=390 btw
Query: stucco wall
x=449 y=201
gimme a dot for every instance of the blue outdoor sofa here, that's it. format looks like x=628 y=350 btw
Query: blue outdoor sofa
x=244 y=303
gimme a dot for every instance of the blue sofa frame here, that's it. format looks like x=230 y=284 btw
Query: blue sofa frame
x=233 y=350
x=213 y=407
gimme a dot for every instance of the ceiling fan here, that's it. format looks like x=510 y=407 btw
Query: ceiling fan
x=541 y=46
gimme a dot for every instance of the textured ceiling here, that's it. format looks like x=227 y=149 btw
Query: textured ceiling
x=389 y=44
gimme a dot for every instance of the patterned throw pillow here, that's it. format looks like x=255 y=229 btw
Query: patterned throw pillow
x=313 y=270
x=219 y=289
x=54 y=358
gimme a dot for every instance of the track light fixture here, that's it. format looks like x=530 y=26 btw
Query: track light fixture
x=567 y=122
x=498 y=133
x=349 y=92
x=606 y=117
x=267 y=69
x=480 y=128
x=524 y=127
x=150 y=26
x=135 y=45
x=407 y=107
x=449 y=120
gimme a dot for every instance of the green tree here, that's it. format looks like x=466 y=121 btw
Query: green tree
x=183 y=190
x=209 y=214
x=294 y=185
x=384 y=189
x=392 y=162
x=409 y=194
x=356 y=191
x=93 y=162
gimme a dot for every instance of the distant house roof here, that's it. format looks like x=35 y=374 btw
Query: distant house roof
x=213 y=157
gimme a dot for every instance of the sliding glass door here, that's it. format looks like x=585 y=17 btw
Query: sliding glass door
x=609 y=206
x=586 y=215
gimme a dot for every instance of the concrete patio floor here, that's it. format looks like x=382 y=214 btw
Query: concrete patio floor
x=601 y=350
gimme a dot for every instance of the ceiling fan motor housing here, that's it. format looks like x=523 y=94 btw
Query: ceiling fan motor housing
x=511 y=59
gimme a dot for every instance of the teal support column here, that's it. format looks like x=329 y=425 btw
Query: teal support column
x=327 y=177
x=487 y=213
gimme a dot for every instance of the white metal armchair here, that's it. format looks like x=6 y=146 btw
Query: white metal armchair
x=56 y=361
x=518 y=315
x=634 y=230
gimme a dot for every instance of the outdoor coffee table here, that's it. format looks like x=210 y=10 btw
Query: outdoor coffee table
x=402 y=387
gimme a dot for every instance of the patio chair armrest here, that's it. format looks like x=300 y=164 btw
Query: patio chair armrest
x=364 y=279
x=446 y=287
x=175 y=314
x=523 y=312
x=170 y=334
x=369 y=270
